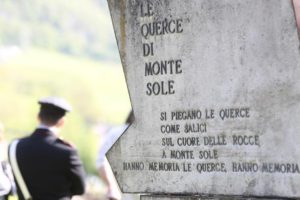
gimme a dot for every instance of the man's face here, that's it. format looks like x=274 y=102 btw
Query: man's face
x=297 y=11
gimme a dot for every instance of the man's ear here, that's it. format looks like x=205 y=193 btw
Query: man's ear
x=60 y=122
x=38 y=118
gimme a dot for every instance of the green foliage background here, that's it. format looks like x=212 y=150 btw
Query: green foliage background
x=77 y=27
x=62 y=48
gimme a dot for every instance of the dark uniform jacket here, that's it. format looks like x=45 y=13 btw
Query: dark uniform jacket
x=50 y=167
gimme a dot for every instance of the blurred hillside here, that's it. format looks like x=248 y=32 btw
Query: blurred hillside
x=96 y=90
x=62 y=48
x=77 y=27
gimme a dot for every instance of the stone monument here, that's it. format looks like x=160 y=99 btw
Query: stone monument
x=215 y=89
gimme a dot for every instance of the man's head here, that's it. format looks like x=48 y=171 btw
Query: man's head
x=53 y=110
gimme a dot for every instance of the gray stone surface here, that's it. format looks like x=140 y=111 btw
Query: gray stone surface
x=224 y=75
x=157 y=197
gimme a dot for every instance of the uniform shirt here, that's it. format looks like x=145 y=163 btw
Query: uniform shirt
x=51 y=168
x=107 y=142
x=109 y=139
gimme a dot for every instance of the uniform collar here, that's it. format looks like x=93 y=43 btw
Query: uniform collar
x=44 y=134
x=52 y=129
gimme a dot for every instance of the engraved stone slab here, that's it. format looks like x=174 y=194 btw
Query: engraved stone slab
x=215 y=90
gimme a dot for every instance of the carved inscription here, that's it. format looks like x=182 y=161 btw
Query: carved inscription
x=159 y=68
x=187 y=146
x=189 y=140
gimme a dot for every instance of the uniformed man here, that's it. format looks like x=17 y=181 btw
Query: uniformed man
x=51 y=168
